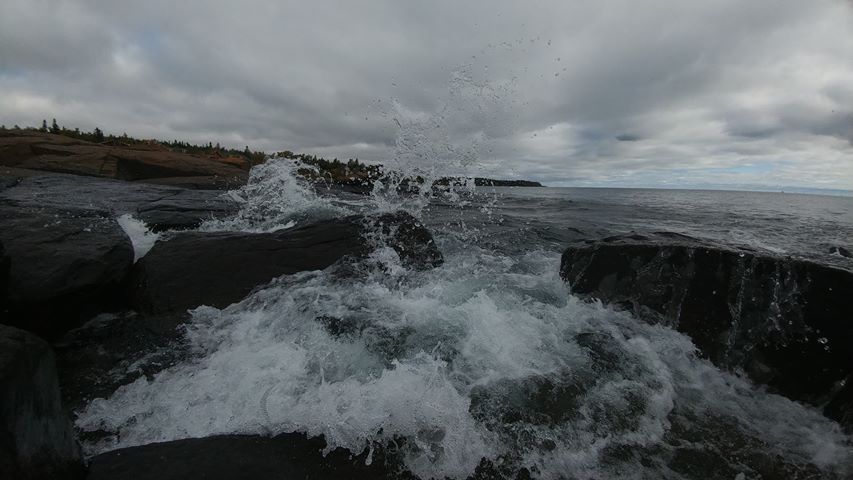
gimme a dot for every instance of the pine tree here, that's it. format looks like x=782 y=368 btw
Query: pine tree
x=98 y=134
x=54 y=127
x=44 y=125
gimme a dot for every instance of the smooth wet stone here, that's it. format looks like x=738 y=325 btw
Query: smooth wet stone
x=64 y=265
x=114 y=349
x=160 y=207
x=234 y=457
x=36 y=439
x=786 y=322
x=5 y=264
x=216 y=269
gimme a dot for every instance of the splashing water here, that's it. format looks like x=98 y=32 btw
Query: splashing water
x=141 y=237
x=486 y=357
x=275 y=197
x=486 y=363
x=450 y=141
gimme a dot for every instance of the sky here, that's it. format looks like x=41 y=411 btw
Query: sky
x=571 y=93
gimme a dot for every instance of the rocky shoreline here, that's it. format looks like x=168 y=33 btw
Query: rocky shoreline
x=69 y=276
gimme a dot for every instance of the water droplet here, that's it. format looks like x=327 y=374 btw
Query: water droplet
x=823 y=340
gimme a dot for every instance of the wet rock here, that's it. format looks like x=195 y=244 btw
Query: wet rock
x=36 y=440
x=840 y=251
x=217 y=269
x=786 y=322
x=5 y=263
x=185 y=209
x=160 y=207
x=64 y=264
x=114 y=349
x=240 y=457
x=153 y=165
x=408 y=237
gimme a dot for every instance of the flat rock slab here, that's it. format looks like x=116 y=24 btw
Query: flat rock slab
x=217 y=269
x=36 y=439
x=56 y=153
x=64 y=264
x=234 y=457
x=160 y=207
x=787 y=323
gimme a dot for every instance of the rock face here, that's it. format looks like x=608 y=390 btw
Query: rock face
x=234 y=457
x=65 y=264
x=787 y=323
x=56 y=153
x=36 y=440
x=217 y=269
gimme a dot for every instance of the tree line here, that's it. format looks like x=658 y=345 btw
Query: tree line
x=97 y=136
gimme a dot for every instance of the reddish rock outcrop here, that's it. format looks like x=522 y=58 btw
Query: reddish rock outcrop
x=138 y=162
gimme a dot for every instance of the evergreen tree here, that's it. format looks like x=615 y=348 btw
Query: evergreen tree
x=98 y=134
x=44 y=125
x=54 y=127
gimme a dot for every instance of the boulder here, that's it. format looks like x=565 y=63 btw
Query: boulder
x=234 y=457
x=217 y=269
x=36 y=438
x=786 y=322
x=64 y=265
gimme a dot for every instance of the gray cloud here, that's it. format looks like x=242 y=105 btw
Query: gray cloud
x=564 y=92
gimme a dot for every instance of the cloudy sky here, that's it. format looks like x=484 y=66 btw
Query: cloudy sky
x=621 y=93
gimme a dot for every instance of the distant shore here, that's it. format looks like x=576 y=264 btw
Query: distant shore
x=62 y=150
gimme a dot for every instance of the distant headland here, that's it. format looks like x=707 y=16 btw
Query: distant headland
x=55 y=148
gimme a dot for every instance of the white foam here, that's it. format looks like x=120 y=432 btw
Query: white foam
x=275 y=197
x=414 y=350
x=142 y=238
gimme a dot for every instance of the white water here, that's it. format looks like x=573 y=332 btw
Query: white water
x=274 y=198
x=486 y=357
x=142 y=238
x=442 y=358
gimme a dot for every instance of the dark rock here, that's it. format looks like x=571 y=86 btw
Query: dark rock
x=108 y=352
x=841 y=251
x=787 y=323
x=5 y=264
x=160 y=207
x=408 y=237
x=217 y=269
x=143 y=166
x=186 y=209
x=36 y=439
x=198 y=182
x=291 y=456
x=8 y=181
x=65 y=264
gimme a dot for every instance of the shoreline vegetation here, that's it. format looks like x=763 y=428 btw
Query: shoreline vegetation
x=56 y=148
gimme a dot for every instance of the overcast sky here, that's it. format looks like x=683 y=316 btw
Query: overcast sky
x=628 y=93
